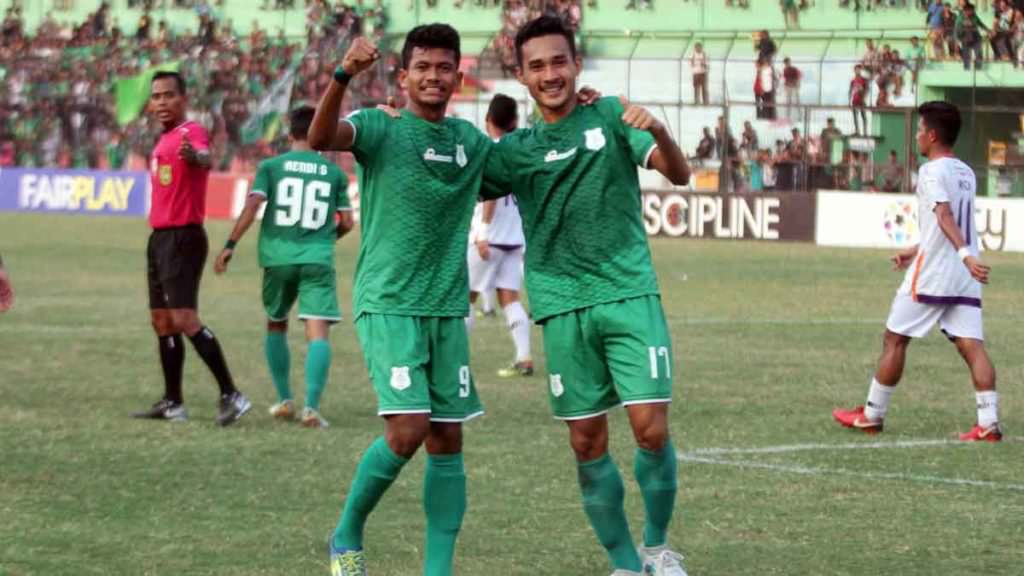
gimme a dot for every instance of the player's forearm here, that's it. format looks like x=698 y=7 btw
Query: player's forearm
x=949 y=229
x=487 y=216
x=345 y=222
x=673 y=163
x=324 y=131
x=244 y=222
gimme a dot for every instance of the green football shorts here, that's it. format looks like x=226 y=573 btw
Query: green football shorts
x=609 y=354
x=419 y=365
x=313 y=285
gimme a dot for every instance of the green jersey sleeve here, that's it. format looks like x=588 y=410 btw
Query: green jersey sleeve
x=371 y=126
x=342 y=202
x=261 y=184
x=498 y=180
x=640 y=142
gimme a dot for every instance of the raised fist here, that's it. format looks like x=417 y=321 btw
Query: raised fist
x=360 y=56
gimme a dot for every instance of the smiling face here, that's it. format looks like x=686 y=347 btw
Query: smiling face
x=431 y=76
x=549 y=70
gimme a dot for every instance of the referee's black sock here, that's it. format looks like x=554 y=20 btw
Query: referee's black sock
x=172 y=359
x=208 y=348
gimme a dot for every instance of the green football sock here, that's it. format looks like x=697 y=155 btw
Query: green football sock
x=318 y=363
x=603 y=495
x=656 y=475
x=444 y=501
x=375 y=474
x=279 y=362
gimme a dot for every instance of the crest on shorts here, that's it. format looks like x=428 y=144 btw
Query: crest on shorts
x=556 y=385
x=594 y=138
x=164 y=174
x=460 y=155
x=400 y=378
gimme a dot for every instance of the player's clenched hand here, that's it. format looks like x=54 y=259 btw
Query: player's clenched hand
x=6 y=292
x=484 y=248
x=360 y=56
x=221 y=265
x=978 y=270
x=901 y=260
x=638 y=117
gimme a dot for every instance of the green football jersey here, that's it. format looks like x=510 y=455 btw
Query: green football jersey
x=579 y=196
x=418 y=185
x=303 y=191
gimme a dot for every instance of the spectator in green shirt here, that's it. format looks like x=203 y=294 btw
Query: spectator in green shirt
x=915 y=61
x=968 y=32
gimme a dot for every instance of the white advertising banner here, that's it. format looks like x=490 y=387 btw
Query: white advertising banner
x=860 y=219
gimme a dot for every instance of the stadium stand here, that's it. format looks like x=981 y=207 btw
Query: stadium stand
x=75 y=74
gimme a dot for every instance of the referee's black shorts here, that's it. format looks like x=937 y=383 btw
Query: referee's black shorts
x=174 y=264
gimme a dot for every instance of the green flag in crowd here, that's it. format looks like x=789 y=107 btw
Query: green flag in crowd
x=131 y=92
x=266 y=120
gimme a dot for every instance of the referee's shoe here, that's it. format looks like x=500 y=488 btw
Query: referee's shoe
x=232 y=407
x=164 y=409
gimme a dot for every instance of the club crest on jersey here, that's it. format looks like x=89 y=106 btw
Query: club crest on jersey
x=594 y=138
x=431 y=155
x=556 y=385
x=460 y=155
x=400 y=378
x=164 y=174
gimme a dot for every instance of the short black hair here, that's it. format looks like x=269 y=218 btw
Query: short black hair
x=431 y=36
x=543 y=26
x=503 y=112
x=943 y=118
x=299 y=121
x=178 y=79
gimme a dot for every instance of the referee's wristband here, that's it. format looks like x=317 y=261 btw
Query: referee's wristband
x=340 y=76
x=230 y=244
x=963 y=253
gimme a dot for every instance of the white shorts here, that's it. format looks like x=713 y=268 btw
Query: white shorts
x=915 y=320
x=502 y=269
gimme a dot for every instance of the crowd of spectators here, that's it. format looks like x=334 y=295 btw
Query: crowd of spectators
x=960 y=30
x=516 y=13
x=57 y=103
x=749 y=164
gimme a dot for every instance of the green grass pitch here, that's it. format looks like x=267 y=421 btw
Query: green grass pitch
x=768 y=338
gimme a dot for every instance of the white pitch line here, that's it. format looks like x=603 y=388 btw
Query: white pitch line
x=784 y=448
x=684 y=321
x=810 y=471
x=773 y=321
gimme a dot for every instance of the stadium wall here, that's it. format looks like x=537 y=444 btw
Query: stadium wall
x=827 y=218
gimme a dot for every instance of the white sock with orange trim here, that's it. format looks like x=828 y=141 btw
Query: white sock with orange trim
x=878 y=401
x=988 y=408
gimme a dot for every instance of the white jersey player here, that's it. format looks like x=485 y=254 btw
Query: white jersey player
x=942 y=283
x=495 y=253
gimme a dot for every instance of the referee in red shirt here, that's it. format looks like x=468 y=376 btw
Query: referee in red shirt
x=177 y=251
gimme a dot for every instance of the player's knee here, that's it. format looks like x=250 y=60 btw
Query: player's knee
x=186 y=320
x=277 y=325
x=405 y=436
x=651 y=438
x=588 y=446
x=444 y=438
x=163 y=324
